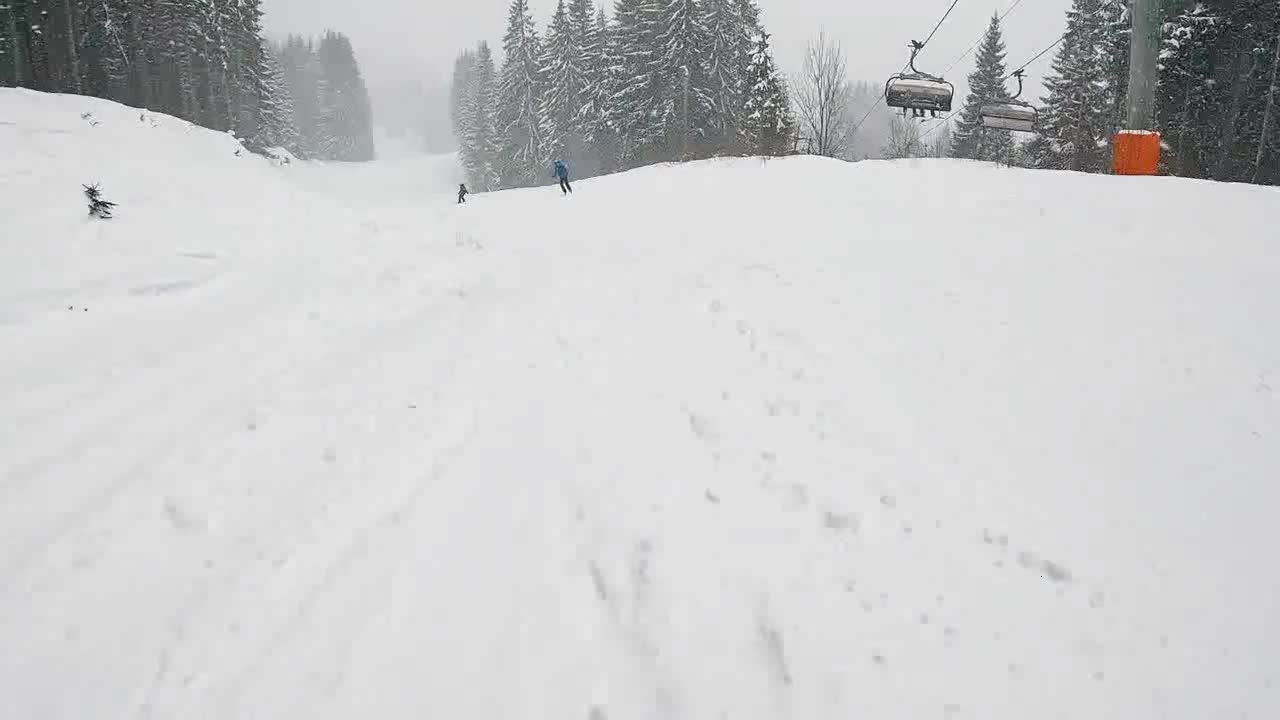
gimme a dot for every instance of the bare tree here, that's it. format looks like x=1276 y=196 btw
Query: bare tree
x=822 y=94
x=904 y=139
x=940 y=145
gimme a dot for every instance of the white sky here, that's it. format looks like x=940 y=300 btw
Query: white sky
x=420 y=38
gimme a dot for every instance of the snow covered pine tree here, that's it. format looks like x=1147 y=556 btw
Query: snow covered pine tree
x=520 y=132
x=986 y=84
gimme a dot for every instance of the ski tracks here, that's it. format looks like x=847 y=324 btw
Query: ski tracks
x=74 y=540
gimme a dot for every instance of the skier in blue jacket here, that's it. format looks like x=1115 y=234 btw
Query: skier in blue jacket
x=561 y=170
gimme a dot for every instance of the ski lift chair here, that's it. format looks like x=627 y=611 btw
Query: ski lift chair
x=1012 y=114
x=918 y=92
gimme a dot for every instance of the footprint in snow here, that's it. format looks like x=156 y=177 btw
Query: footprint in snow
x=179 y=519
x=1047 y=568
x=844 y=522
x=702 y=427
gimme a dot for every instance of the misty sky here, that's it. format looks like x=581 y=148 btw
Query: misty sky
x=400 y=40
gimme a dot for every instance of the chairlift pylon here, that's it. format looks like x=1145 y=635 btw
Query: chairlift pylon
x=918 y=92
x=1013 y=114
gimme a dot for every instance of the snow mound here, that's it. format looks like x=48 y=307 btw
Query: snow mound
x=742 y=438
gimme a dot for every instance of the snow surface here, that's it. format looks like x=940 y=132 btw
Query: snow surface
x=736 y=439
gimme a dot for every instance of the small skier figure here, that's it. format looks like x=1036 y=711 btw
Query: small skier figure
x=462 y=193
x=561 y=170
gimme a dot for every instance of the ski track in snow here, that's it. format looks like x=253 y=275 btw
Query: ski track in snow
x=337 y=447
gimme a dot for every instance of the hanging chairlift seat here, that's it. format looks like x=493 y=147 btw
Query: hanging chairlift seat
x=917 y=91
x=1012 y=114
x=1015 y=116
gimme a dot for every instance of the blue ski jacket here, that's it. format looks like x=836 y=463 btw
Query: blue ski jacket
x=559 y=169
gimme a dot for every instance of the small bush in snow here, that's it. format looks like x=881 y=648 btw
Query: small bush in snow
x=98 y=207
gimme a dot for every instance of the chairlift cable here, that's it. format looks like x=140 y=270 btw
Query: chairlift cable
x=1063 y=36
x=945 y=15
x=977 y=41
x=870 y=110
x=1037 y=57
x=939 y=123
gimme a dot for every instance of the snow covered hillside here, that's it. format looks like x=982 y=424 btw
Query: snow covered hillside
x=736 y=439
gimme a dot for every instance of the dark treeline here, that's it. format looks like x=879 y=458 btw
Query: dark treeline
x=1218 y=87
x=660 y=81
x=201 y=60
x=1216 y=100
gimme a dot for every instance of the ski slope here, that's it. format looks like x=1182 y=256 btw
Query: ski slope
x=736 y=439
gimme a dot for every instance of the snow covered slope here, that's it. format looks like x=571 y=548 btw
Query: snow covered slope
x=735 y=439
